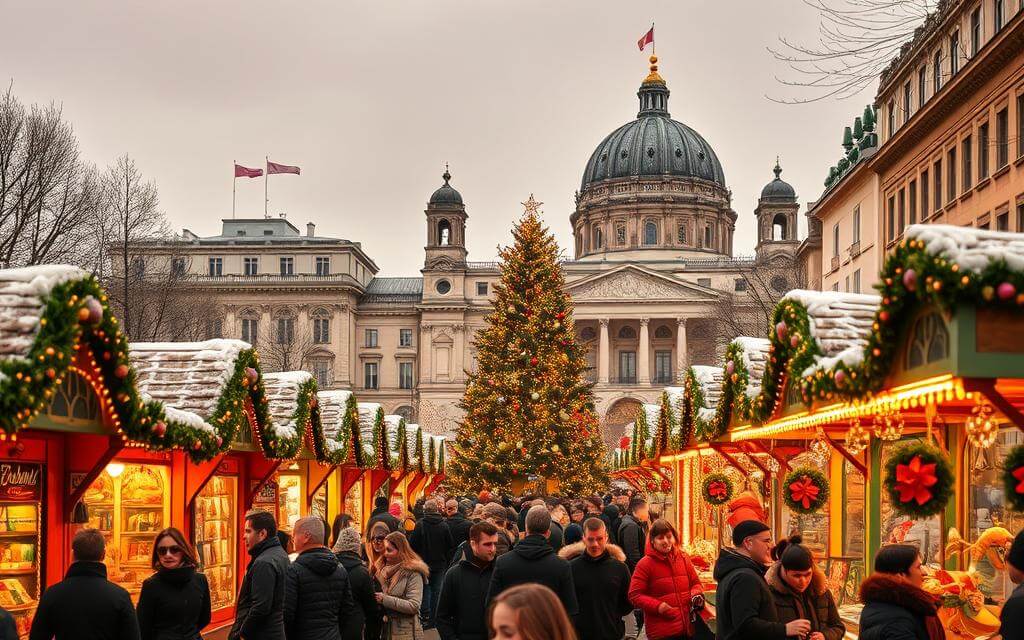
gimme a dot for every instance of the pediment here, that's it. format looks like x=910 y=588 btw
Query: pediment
x=634 y=283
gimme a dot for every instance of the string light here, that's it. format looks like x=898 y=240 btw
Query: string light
x=857 y=438
x=888 y=426
x=982 y=429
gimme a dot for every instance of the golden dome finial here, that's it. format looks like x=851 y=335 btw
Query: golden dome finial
x=653 y=75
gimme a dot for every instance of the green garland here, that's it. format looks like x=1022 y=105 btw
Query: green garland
x=431 y=455
x=734 y=397
x=799 y=476
x=791 y=352
x=287 y=448
x=1012 y=484
x=939 y=493
x=705 y=488
x=641 y=432
x=421 y=459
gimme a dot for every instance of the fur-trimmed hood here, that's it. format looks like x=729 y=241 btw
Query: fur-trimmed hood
x=577 y=549
x=889 y=590
x=818 y=584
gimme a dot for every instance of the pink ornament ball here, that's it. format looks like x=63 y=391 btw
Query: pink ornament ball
x=910 y=279
x=1006 y=291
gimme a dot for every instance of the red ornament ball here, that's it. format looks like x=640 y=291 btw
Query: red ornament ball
x=910 y=279
x=121 y=371
x=1006 y=291
x=624 y=442
x=534 y=361
x=560 y=315
x=781 y=329
x=159 y=429
x=883 y=315
x=197 y=445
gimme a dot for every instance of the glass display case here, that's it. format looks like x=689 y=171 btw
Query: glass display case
x=354 y=506
x=215 y=523
x=20 y=542
x=129 y=504
x=289 y=498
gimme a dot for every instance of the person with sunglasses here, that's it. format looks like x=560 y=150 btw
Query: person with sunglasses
x=175 y=601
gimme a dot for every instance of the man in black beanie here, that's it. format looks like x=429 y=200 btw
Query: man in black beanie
x=1012 y=615
x=746 y=609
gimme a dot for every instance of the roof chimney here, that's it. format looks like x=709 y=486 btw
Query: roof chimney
x=310 y=229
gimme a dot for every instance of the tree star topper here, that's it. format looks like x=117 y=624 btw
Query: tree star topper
x=531 y=205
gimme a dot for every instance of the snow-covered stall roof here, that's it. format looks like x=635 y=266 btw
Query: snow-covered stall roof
x=367 y=421
x=710 y=381
x=840 y=324
x=412 y=432
x=675 y=401
x=23 y=294
x=392 y=427
x=755 y=357
x=971 y=248
x=333 y=404
x=283 y=399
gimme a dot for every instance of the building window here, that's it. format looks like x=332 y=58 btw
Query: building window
x=650 y=233
x=906 y=101
x=922 y=73
x=835 y=241
x=937 y=175
x=598 y=240
x=902 y=211
x=951 y=174
x=216 y=267
x=708 y=236
x=681 y=234
x=627 y=367
x=405 y=337
x=443 y=287
x=627 y=333
x=178 y=267
x=741 y=284
x=663 y=332
x=912 y=202
x=322 y=372
x=285 y=330
x=321 y=330
x=214 y=329
x=891 y=117
x=620 y=234
x=287 y=266
x=975 y=31
x=856 y=281
x=1002 y=138
x=1020 y=217
x=856 y=225
x=405 y=375
x=954 y=53
x=1020 y=125
x=891 y=219
x=250 y=328
x=251 y=266
x=481 y=288
x=937 y=72
x=662 y=367
x=369 y=375
x=983 y=151
x=966 y=154
x=1003 y=221
x=371 y=338
x=444 y=233
x=323 y=266
x=704 y=282
x=138 y=267
x=924 y=194
x=835 y=286
x=267 y=232
x=998 y=11
x=847 y=284
x=984 y=225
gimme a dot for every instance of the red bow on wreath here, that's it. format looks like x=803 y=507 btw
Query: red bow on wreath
x=716 y=489
x=804 y=491
x=1018 y=473
x=913 y=480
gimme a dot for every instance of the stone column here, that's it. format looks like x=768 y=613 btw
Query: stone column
x=643 y=362
x=681 y=362
x=602 y=353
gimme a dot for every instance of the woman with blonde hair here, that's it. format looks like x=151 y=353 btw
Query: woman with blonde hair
x=401 y=577
x=374 y=547
x=529 y=612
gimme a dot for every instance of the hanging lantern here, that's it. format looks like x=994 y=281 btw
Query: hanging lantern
x=819 y=449
x=889 y=426
x=857 y=438
x=982 y=429
x=771 y=464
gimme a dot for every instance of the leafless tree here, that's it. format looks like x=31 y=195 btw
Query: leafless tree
x=48 y=195
x=749 y=312
x=286 y=349
x=856 y=39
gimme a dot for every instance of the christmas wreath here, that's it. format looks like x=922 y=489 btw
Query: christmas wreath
x=1013 y=478
x=919 y=479
x=716 y=489
x=805 y=490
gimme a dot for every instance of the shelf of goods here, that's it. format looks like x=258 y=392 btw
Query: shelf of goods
x=216 y=526
x=19 y=561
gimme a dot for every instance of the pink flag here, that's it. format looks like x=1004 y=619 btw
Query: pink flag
x=246 y=172
x=647 y=39
x=273 y=167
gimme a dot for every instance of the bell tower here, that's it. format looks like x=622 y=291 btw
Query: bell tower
x=776 y=217
x=446 y=227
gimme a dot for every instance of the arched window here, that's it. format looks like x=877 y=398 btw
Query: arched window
x=444 y=233
x=662 y=332
x=598 y=240
x=587 y=334
x=708 y=236
x=627 y=333
x=406 y=412
x=780 y=228
x=681 y=234
x=650 y=233
x=929 y=341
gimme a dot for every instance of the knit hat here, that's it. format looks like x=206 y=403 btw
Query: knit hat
x=747 y=528
x=1016 y=555
x=348 y=541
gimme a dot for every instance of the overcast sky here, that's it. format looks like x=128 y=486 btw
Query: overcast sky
x=371 y=98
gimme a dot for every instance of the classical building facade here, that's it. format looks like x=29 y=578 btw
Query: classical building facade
x=653 y=266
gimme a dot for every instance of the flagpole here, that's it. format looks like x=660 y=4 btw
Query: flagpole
x=654 y=46
x=234 y=183
x=266 y=181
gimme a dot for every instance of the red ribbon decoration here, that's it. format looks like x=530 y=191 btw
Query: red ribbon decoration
x=1018 y=473
x=717 y=489
x=914 y=479
x=804 y=491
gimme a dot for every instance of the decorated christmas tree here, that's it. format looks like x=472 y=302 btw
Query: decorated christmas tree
x=529 y=411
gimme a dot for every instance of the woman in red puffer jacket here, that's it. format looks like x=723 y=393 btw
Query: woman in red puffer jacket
x=665 y=586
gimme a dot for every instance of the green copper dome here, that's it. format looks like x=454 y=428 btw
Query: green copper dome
x=446 y=194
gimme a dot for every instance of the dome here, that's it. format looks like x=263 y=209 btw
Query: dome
x=446 y=194
x=778 y=189
x=653 y=144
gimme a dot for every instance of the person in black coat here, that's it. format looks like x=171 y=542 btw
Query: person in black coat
x=316 y=591
x=432 y=542
x=632 y=534
x=175 y=601
x=745 y=606
x=895 y=605
x=533 y=560
x=8 y=628
x=601 y=579
x=1012 y=615
x=365 y=618
x=259 y=613
x=84 y=605
x=457 y=522
x=380 y=514
x=461 y=610
x=612 y=520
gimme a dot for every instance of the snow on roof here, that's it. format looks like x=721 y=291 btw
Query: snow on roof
x=367 y=417
x=755 y=357
x=188 y=376
x=282 y=391
x=391 y=426
x=652 y=411
x=840 y=324
x=412 y=431
x=332 y=414
x=22 y=300
x=675 y=401
x=973 y=249
x=710 y=381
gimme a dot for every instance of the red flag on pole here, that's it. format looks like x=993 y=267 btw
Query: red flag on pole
x=246 y=172
x=273 y=167
x=647 y=39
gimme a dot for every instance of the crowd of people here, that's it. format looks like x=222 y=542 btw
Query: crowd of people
x=480 y=568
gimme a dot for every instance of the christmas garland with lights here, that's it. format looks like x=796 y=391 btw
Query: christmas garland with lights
x=1013 y=478
x=378 y=457
x=420 y=459
x=693 y=402
x=717 y=489
x=733 y=399
x=306 y=414
x=791 y=352
x=347 y=438
x=641 y=433
x=805 y=490
x=431 y=457
x=919 y=479
x=665 y=428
